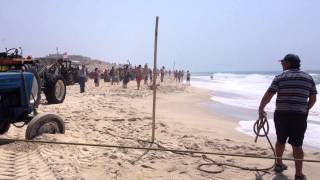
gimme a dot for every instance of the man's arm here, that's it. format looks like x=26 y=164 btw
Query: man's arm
x=264 y=101
x=312 y=101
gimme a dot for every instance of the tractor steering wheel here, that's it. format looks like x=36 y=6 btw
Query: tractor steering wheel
x=12 y=52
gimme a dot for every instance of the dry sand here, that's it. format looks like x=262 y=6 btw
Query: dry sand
x=117 y=116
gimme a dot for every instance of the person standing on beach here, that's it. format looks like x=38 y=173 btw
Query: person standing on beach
x=162 y=73
x=82 y=78
x=296 y=95
x=138 y=76
x=182 y=75
x=188 y=77
x=111 y=74
x=116 y=76
x=145 y=74
x=96 y=77
x=106 y=75
x=126 y=78
x=179 y=75
x=150 y=75
x=175 y=74
x=132 y=73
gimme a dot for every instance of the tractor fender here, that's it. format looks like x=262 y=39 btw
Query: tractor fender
x=36 y=85
x=44 y=123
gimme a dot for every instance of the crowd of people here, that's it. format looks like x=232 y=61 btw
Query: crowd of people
x=127 y=73
x=179 y=75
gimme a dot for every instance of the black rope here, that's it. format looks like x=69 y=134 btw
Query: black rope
x=9 y=140
x=261 y=123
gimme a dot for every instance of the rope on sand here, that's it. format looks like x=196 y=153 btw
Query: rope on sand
x=260 y=123
x=9 y=140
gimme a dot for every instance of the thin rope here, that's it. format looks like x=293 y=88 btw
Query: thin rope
x=11 y=140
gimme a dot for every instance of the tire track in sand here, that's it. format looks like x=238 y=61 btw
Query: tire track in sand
x=24 y=165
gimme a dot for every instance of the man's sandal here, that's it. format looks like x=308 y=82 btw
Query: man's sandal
x=280 y=168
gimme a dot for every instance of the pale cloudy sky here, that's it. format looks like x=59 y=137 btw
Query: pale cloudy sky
x=212 y=35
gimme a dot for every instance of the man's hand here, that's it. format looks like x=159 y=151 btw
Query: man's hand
x=264 y=101
x=262 y=113
x=312 y=101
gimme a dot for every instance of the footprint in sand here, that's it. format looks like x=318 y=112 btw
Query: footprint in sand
x=162 y=125
x=163 y=131
x=118 y=120
x=146 y=166
x=113 y=157
x=134 y=119
x=172 y=169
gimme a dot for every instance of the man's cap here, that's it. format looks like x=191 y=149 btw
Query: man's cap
x=291 y=58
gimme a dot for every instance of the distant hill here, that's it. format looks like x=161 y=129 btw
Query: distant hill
x=90 y=63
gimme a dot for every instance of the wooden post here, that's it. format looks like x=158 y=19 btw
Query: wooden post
x=154 y=86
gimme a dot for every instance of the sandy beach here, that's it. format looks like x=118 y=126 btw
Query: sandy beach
x=116 y=116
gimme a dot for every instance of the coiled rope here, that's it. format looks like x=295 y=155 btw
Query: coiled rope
x=260 y=124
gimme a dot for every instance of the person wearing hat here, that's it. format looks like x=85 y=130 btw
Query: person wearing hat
x=296 y=94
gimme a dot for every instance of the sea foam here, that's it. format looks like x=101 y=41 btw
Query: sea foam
x=246 y=91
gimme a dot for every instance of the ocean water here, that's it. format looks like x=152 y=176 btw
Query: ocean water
x=245 y=89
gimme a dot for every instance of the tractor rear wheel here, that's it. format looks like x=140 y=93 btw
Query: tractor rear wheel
x=4 y=127
x=36 y=87
x=44 y=123
x=55 y=89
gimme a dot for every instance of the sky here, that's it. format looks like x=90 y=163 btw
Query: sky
x=196 y=35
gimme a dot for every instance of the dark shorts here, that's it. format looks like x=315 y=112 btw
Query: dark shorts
x=290 y=125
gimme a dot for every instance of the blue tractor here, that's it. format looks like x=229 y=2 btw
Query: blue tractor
x=19 y=98
x=51 y=81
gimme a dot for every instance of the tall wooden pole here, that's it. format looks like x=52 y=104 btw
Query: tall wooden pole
x=154 y=86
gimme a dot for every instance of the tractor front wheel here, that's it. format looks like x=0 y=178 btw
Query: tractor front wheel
x=44 y=123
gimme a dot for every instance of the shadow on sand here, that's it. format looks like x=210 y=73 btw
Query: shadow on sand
x=277 y=176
